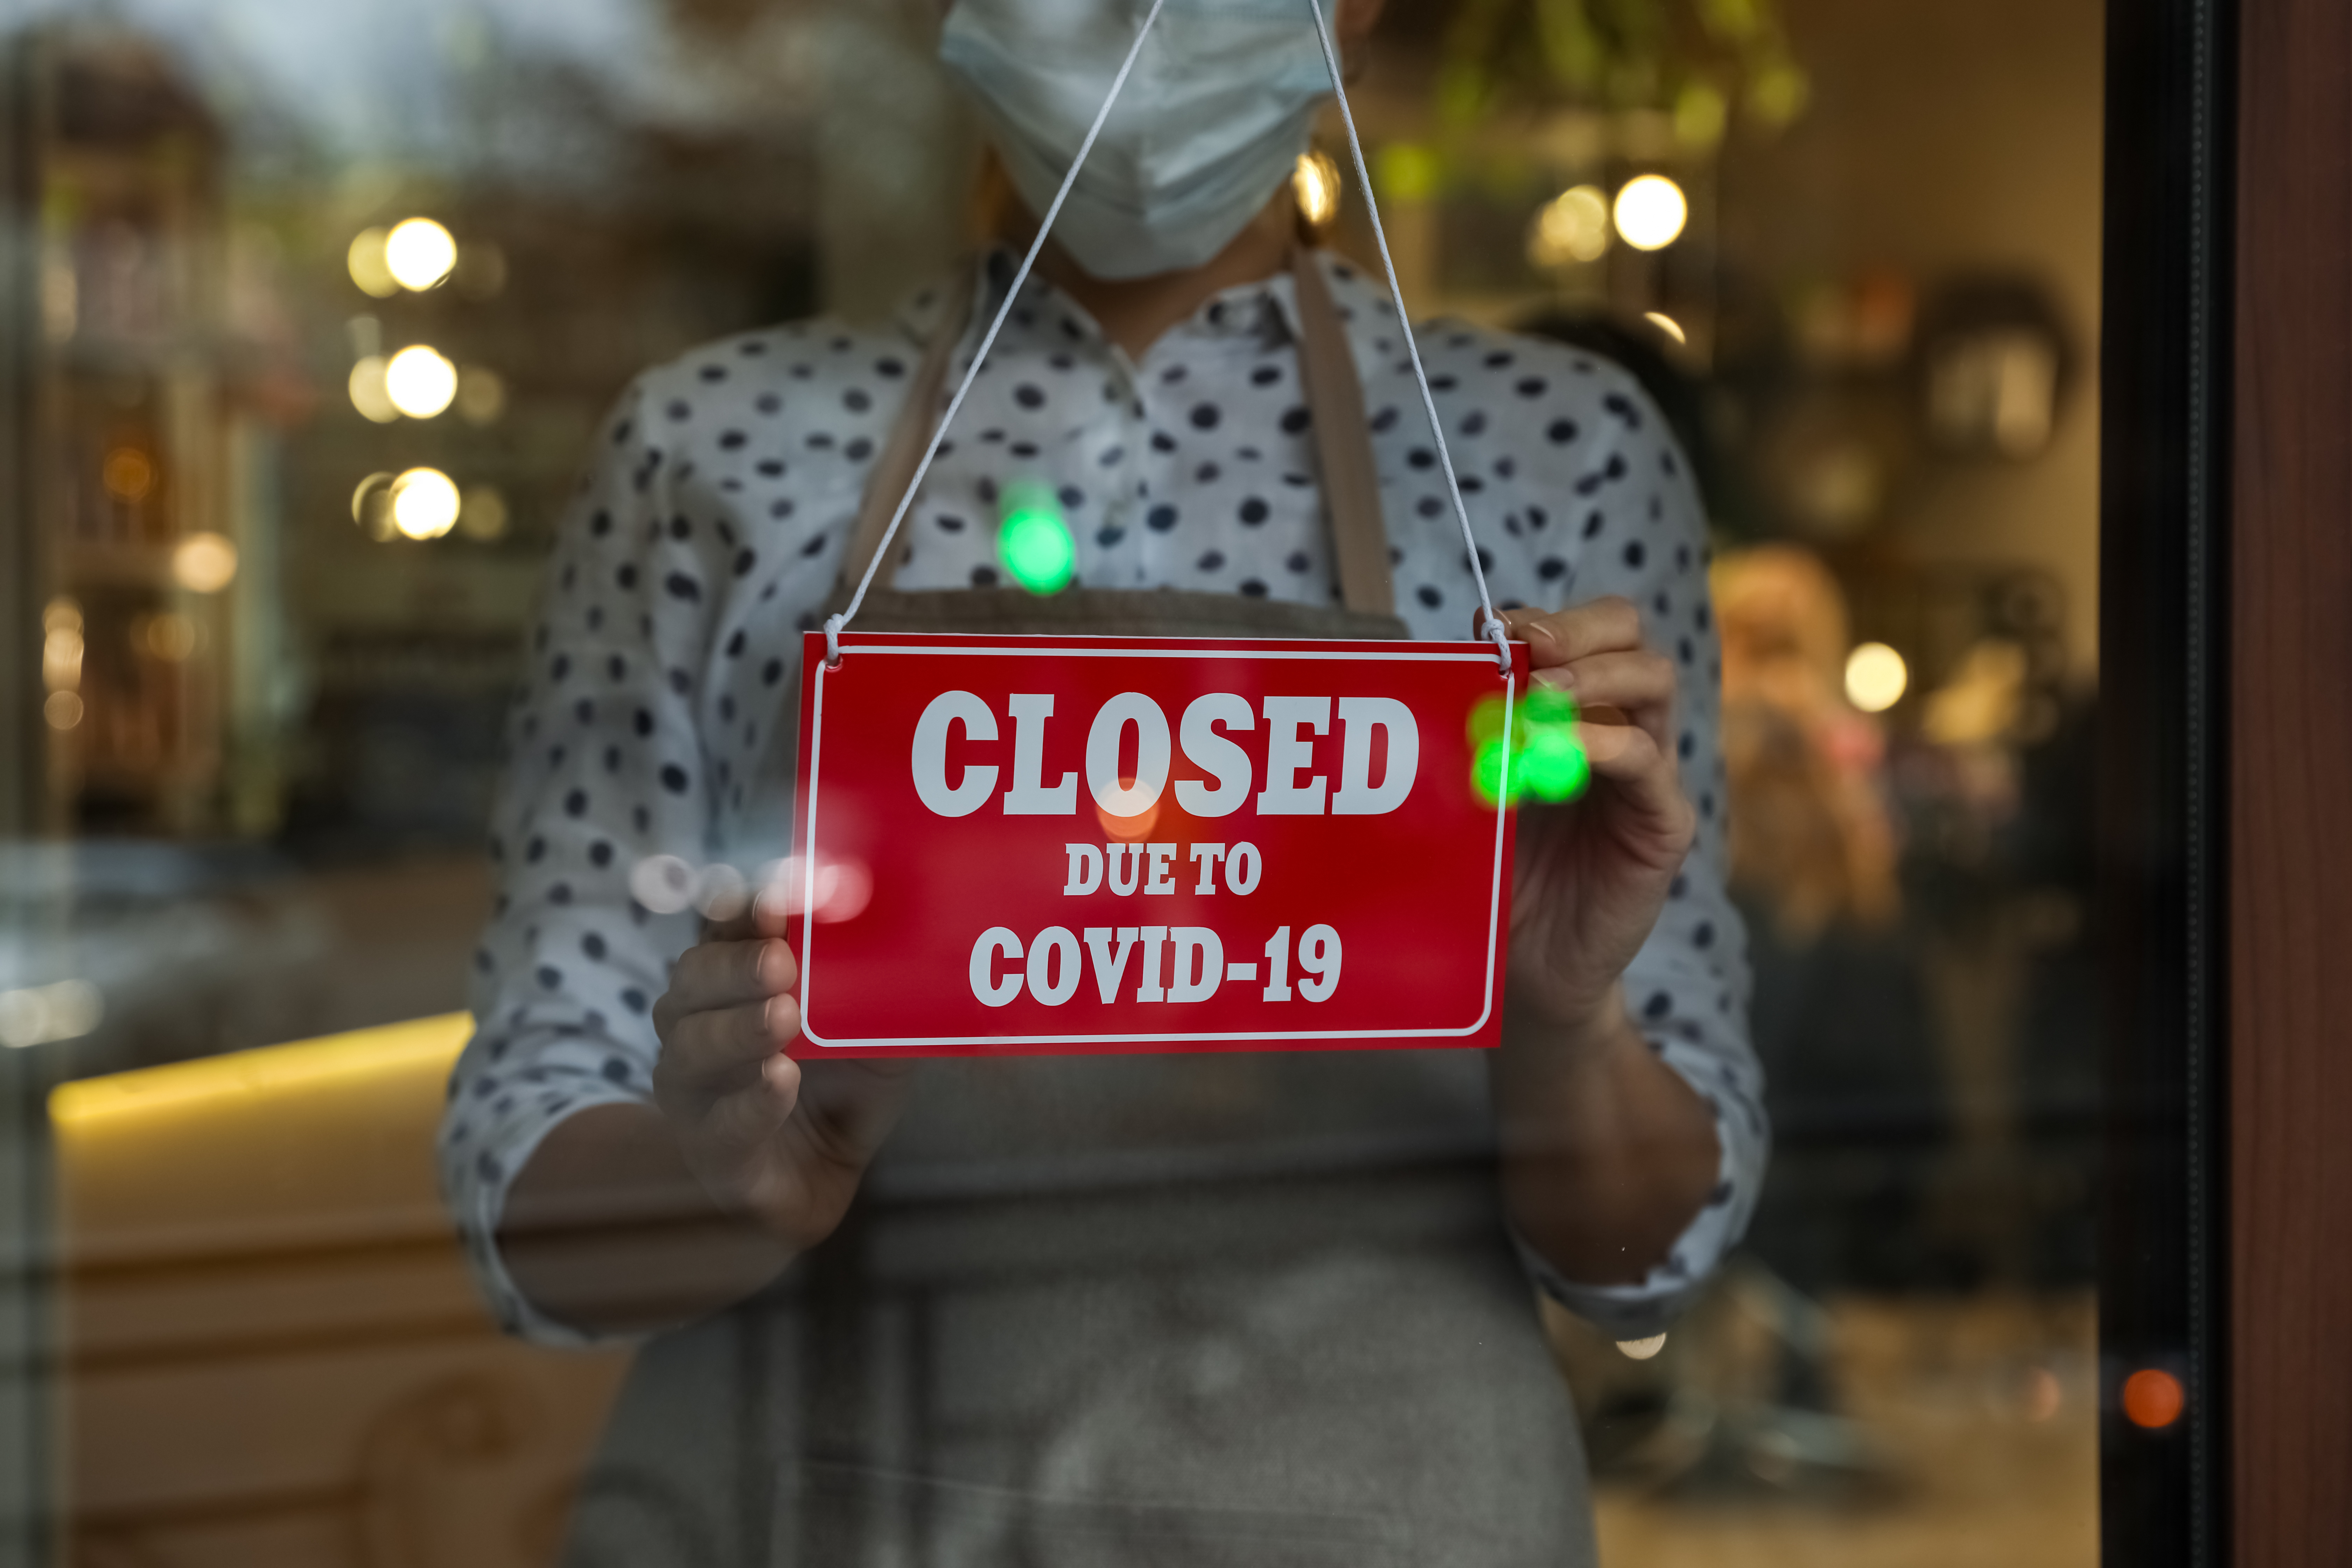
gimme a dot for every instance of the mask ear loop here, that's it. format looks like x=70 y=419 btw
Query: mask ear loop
x=834 y=625
x=1490 y=624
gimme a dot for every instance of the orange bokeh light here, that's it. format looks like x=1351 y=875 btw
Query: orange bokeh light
x=2153 y=1399
x=1126 y=829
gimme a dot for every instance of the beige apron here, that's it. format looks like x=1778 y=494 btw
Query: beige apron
x=1174 y=1312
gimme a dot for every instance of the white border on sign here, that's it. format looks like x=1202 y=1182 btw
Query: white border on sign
x=808 y=853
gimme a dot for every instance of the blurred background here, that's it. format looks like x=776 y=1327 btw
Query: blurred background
x=309 y=316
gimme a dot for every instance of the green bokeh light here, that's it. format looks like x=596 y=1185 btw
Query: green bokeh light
x=1033 y=541
x=1541 y=757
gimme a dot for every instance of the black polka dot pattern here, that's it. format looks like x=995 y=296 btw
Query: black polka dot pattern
x=711 y=532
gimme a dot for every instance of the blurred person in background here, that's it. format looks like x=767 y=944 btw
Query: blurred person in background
x=1181 y=1309
x=1840 y=1020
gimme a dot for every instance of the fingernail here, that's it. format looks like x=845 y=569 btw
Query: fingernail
x=1558 y=678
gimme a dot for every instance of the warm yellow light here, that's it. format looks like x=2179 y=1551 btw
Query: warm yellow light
x=169 y=636
x=372 y=506
x=1643 y=1350
x=368 y=267
x=1314 y=183
x=35 y=1014
x=192 y=1087
x=128 y=474
x=61 y=614
x=484 y=515
x=204 y=562
x=368 y=392
x=1572 y=226
x=420 y=382
x=1875 y=677
x=61 y=652
x=1667 y=325
x=1651 y=212
x=481 y=395
x=63 y=709
x=419 y=253
x=424 y=503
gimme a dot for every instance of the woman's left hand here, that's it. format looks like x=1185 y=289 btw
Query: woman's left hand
x=1593 y=873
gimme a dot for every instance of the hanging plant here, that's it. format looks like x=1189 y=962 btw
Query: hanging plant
x=1698 y=61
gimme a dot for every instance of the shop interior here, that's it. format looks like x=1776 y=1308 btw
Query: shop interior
x=328 y=316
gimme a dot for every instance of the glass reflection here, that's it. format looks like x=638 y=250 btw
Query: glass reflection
x=306 y=448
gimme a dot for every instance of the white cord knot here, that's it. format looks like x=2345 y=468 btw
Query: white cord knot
x=1500 y=636
x=833 y=640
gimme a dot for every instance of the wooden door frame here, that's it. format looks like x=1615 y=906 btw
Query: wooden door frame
x=2289 y=765
x=2226 y=851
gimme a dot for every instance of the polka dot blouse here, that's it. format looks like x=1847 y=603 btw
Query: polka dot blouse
x=711 y=527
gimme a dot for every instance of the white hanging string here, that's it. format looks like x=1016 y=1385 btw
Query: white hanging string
x=833 y=625
x=1490 y=624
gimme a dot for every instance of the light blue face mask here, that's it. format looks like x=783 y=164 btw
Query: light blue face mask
x=1212 y=120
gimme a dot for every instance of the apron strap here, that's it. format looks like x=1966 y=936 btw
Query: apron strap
x=894 y=466
x=1343 y=445
x=1335 y=401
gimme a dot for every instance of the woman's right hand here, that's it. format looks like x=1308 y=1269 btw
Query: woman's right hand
x=778 y=1141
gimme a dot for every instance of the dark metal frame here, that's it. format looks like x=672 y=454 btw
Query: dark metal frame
x=2165 y=373
x=29 y=1470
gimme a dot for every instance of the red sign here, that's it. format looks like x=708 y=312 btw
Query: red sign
x=1066 y=845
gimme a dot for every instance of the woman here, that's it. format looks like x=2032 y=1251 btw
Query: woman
x=1176 y=1310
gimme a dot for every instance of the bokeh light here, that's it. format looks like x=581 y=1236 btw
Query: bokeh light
x=1642 y=1349
x=420 y=382
x=170 y=636
x=1875 y=677
x=419 y=254
x=483 y=515
x=1541 y=757
x=663 y=884
x=204 y=562
x=720 y=894
x=1033 y=541
x=128 y=474
x=62 y=710
x=369 y=269
x=1315 y=184
x=424 y=503
x=35 y=1014
x=481 y=395
x=1572 y=226
x=1667 y=325
x=368 y=392
x=372 y=506
x=62 y=644
x=1126 y=829
x=839 y=891
x=2153 y=1398
x=1408 y=172
x=1651 y=212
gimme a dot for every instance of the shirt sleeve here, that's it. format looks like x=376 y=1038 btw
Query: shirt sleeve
x=605 y=769
x=1606 y=505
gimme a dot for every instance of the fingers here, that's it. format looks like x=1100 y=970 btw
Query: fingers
x=755 y=1113
x=1636 y=687
x=726 y=974
x=768 y=915
x=1644 y=777
x=1563 y=636
x=722 y=1049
